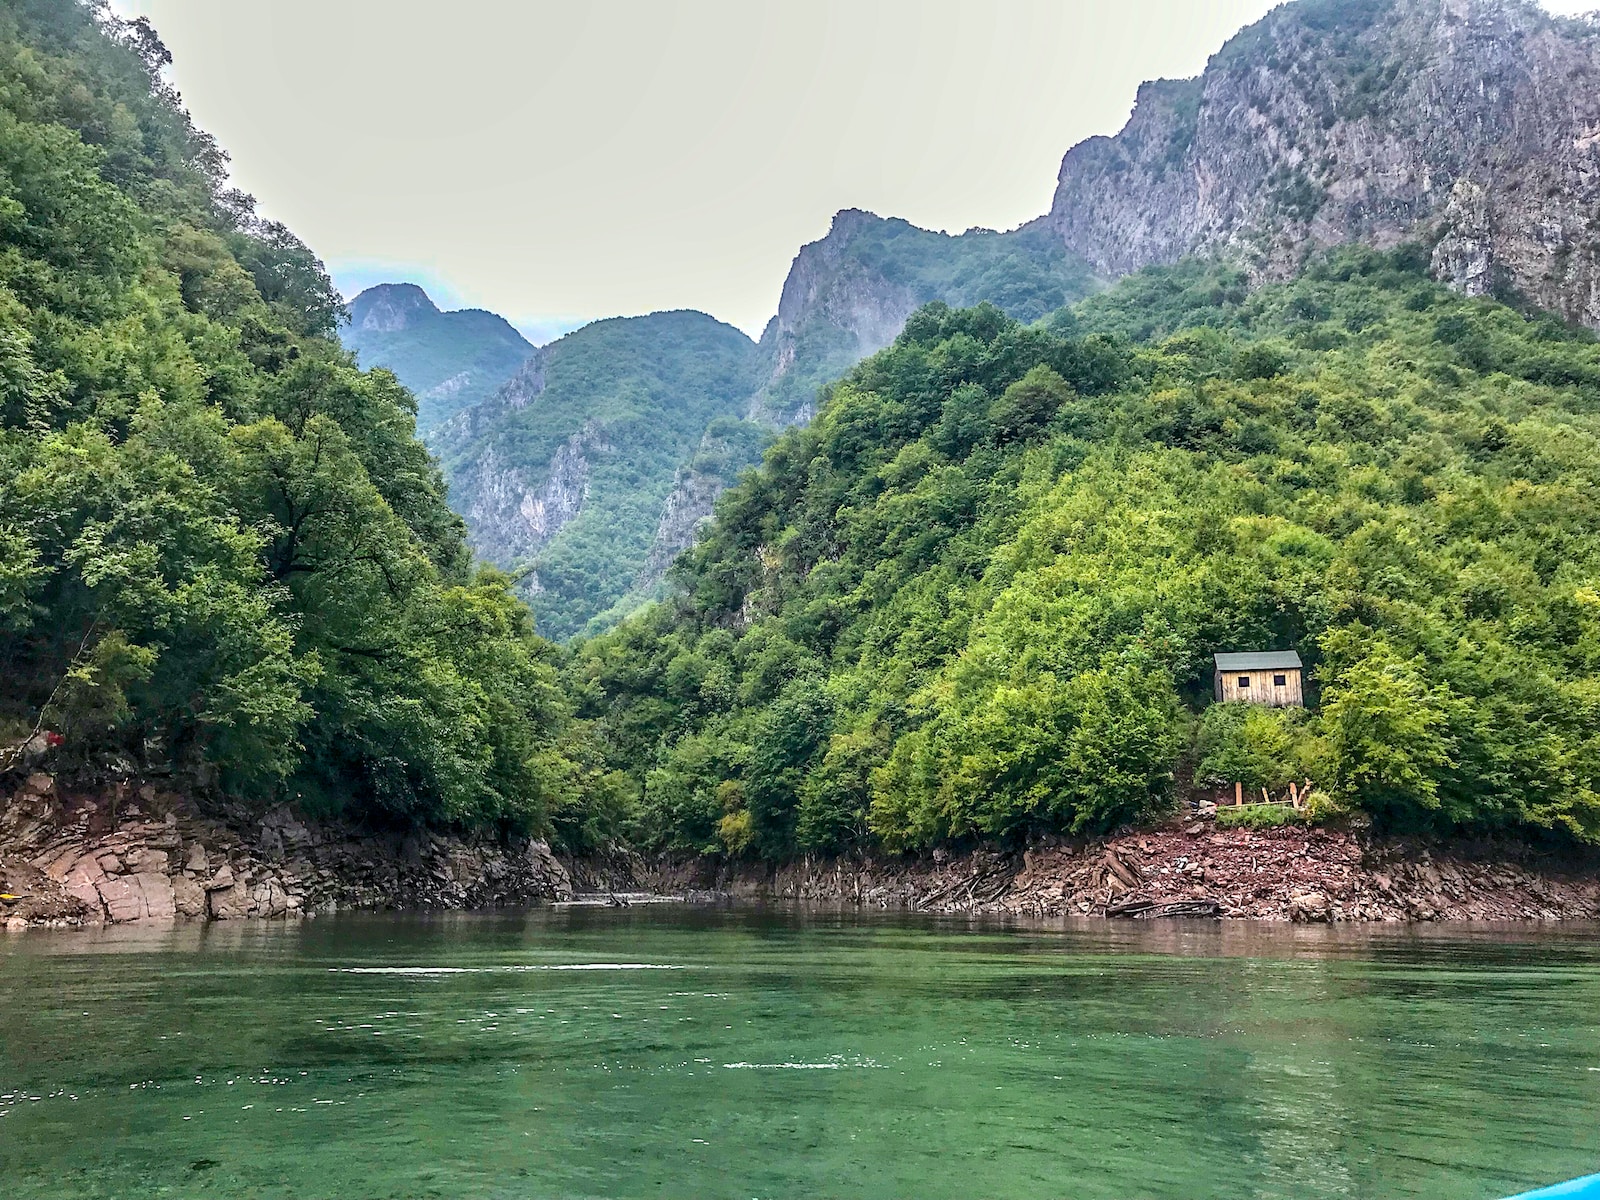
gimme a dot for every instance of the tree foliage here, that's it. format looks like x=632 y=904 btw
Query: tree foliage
x=979 y=596
x=220 y=542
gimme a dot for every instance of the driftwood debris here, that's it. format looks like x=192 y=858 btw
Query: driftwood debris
x=998 y=877
x=1128 y=876
x=1150 y=910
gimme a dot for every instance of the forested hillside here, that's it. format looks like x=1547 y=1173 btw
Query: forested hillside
x=451 y=360
x=979 y=595
x=568 y=474
x=222 y=547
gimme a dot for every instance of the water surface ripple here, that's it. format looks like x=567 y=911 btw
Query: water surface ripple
x=685 y=1053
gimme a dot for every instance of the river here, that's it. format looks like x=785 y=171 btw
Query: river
x=671 y=1052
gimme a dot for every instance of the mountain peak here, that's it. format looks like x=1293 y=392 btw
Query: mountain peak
x=848 y=222
x=451 y=360
x=390 y=307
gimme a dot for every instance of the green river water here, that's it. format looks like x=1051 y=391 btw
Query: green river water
x=701 y=1053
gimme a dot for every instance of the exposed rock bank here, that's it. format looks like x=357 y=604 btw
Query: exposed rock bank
x=126 y=851
x=130 y=851
x=1196 y=870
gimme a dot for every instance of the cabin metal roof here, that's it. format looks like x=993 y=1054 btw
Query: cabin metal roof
x=1266 y=660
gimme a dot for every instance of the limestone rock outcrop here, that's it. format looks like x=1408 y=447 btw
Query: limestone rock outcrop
x=1470 y=125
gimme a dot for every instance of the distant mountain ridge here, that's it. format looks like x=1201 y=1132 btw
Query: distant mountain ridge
x=1472 y=126
x=601 y=445
x=451 y=360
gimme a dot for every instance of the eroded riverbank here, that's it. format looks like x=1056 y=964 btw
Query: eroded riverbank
x=1197 y=870
x=138 y=851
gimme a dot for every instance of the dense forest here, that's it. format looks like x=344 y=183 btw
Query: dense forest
x=221 y=545
x=978 y=597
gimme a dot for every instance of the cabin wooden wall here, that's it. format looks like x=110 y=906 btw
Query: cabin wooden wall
x=1261 y=689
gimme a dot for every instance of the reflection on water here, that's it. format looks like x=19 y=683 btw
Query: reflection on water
x=672 y=1052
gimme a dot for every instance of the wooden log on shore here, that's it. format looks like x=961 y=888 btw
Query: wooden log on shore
x=1151 y=910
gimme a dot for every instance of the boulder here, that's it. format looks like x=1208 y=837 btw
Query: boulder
x=229 y=904
x=188 y=897
x=122 y=897
x=144 y=859
x=159 y=900
x=1310 y=907
x=83 y=880
x=137 y=897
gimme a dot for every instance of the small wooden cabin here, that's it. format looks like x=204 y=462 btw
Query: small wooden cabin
x=1272 y=678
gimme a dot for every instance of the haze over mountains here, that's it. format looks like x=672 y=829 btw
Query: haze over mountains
x=600 y=454
x=1472 y=126
x=451 y=360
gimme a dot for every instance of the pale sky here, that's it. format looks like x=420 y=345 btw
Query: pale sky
x=556 y=162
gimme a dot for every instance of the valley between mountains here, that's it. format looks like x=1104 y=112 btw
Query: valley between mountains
x=1325 y=123
x=919 y=593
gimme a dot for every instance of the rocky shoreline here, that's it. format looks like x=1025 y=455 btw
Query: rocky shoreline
x=1195 y=869
x=76 y=855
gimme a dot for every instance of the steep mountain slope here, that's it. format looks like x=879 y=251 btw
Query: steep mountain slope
x=1473 y=125
x=224 y=555
x=569 y=468
x=451 y=360
x=849 y=294
x=978 y=596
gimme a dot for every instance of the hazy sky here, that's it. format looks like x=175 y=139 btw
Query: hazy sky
x=557 y=161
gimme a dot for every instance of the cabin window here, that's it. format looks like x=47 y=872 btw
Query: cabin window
x=1280 y=681
x=1244 y=681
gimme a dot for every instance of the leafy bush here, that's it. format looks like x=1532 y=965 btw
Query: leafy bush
x=1257 y=746
x=1000 y=560
x=1257 y=816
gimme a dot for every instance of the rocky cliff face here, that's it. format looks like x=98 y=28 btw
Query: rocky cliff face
x=513 y=510
x=834 y=311
x=516 y=393
x=1471 y=124
x=114 y=851
x=848 y=295
x=727 y=448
